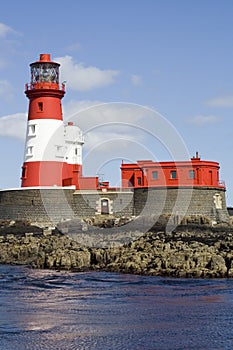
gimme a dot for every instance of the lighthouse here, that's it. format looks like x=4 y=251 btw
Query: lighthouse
x=53 y=149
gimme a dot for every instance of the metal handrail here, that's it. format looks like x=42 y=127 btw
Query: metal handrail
x=44 y=85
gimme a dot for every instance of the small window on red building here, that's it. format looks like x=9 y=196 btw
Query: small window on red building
x=139 y=181
x=211 y=177
x=155 y=175
x=173 y=174
x=191 y=174
x=40 y=106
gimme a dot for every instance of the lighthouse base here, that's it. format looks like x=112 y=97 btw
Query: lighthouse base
x=47 y=173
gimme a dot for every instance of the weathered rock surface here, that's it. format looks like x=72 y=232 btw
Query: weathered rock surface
x=187 y=252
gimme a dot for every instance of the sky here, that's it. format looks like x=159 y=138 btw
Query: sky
x=145 y=79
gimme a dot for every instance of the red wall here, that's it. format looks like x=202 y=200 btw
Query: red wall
x=88 y=183
x=42 y=174
x=152 y=174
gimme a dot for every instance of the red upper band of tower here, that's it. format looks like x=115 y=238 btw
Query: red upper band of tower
x=44 y=90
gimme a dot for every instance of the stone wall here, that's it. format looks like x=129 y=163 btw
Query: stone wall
x=200 y=201
x=88 y=203
x=35 y=205
x=50 y=206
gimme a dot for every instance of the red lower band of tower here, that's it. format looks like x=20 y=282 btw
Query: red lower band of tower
x=50 y=173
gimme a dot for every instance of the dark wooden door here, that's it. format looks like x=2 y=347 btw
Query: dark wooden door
x=104 y=206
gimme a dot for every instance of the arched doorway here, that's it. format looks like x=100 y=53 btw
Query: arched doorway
x=104 y=206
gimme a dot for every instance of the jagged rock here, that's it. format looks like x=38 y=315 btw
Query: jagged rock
x=195 y=252
x=218 y=265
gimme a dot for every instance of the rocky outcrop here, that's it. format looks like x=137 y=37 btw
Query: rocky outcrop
x=40 y=251
x=184 y=254
x=187 y=252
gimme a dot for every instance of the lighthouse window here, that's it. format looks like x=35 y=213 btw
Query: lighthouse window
x=59 y=151
x=40 y=106
x=173 y=174
x=191 y=174
x=24 y=170
x=31 y=130
x=139 y=181
x=29 y=150
x=155 y=175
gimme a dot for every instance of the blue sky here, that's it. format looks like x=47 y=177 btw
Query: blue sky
x=129 y=58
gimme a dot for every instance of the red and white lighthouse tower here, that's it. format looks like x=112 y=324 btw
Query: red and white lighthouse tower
x=53 y=150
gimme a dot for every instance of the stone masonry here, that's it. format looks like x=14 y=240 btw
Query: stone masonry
x=50 y=206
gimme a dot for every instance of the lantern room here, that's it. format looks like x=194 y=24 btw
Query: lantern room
x=44 y=70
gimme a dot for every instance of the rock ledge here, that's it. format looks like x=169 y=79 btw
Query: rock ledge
x=199 y=251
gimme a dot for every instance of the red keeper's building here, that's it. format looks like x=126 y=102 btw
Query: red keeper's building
x=196 y=172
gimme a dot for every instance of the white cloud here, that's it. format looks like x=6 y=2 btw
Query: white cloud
x=74 y=47
x=136 y=80
x=83 y=78
x=14 y=125
x=123 y=131
x=224 y=101
x=92 y=114
x=204 y=120
x=105 y=123
x=6 y=90
x=4 y=30
x=8 y=45
x=74 y=107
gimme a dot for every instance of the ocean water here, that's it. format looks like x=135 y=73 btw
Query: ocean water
x=42 y=309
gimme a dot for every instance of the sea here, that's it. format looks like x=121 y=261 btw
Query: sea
x=60 y=310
